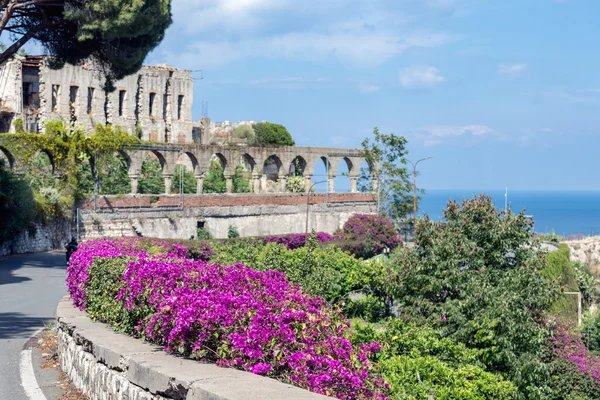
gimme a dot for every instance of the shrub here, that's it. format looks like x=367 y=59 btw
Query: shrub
x=368 y=235
x=297 y=240
x=232 y=232
x=481 y=272
x=295 y=184
x=576 y=369
x=417 y=361
x=268 y=134
x=81 y=260
x=234 y=316
x=428 y=377
x=17 y=205
x=559 y=269
x=203 y=234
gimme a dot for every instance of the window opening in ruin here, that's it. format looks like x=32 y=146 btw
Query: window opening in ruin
x=73 y=93
x=27 y=92
x=179 y=106
x=122 y=96
x=200 y=225
x=90 y=100
x=55 y=97
x=151 y=104
x=165 y=103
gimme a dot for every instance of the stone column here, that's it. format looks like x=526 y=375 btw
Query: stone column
x=199 y=184
x=168 y=181
x=256 y=186
x=332 y=184
x=375 y=184
x=353 y=184
x=283 y=180
x=229 y=183
x=307 y=182
x=134 y=183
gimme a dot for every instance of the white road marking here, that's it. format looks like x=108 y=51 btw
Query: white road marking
x=28 y=381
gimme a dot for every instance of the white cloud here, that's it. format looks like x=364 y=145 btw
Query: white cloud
x=365 y=49
x=368 y=87
x=512 y=71
x=215 y=33
x=420 y=77
x=441 y=131
x=587 y=97
x=437 y=134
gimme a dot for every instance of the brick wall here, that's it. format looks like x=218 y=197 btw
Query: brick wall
x=226 y=200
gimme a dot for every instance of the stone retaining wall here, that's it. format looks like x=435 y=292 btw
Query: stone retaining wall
x=109 y=366
x=51 y=236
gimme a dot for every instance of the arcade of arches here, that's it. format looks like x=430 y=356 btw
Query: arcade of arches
x=267 y=168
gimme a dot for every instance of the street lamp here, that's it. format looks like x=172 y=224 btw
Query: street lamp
x=308 y=200
x=415 y=186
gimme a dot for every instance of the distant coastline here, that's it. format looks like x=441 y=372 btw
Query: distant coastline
x=567 y=213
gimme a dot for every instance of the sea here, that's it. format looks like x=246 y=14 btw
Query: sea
x=564 y=213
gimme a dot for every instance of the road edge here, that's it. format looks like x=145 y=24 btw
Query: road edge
x=27 y=374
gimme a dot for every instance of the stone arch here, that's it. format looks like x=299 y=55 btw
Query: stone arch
x=219 y=157
x=272 y=167
x=341 y=175
x=161 y=158
x=297 y=166
x=248 y=161
x=6 y=155
x=189 y=160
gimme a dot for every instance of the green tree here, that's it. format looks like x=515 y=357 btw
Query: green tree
x=17 y=204
x=117 y=33
x=478 y=276
x=189 y=181
x=215 y=179
x=240 y=180
x=244 y=131
x=151 y=180
x=386 y=156
x=268 y=134
x=113 y=175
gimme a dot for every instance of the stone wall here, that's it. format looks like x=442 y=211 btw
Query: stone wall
x=51 y=236
x=109 y=366
x=251 y=215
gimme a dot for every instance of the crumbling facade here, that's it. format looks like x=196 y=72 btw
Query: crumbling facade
x=155 y=103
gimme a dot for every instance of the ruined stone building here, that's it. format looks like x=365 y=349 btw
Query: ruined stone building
x=155 y=103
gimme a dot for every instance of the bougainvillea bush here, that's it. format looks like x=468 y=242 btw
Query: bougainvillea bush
x=81 y=260
x=575 y=369
x=297 y=240
x=367 y=235
x=232 y=315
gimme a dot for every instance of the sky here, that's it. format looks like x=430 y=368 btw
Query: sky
x=500 y=93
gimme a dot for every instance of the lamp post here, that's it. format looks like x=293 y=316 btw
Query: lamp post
x=415 y=186
x=308 y=201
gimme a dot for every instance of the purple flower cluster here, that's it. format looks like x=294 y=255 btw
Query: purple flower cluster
x=368 y=235
x=81 y=260
x=237 y=317
x=569 y=347
x=297 y=240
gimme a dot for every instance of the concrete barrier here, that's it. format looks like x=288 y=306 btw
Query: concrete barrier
x=110 y=366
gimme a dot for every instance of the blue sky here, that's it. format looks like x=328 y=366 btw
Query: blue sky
x=499 y=93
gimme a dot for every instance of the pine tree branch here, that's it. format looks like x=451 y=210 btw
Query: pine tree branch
x=10 y=51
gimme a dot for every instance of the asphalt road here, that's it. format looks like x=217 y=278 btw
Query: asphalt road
x=30 y=287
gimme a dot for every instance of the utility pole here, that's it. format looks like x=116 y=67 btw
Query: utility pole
x=308 y=200
x=415 y=187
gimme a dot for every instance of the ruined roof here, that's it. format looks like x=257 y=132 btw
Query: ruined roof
x=33 y=61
